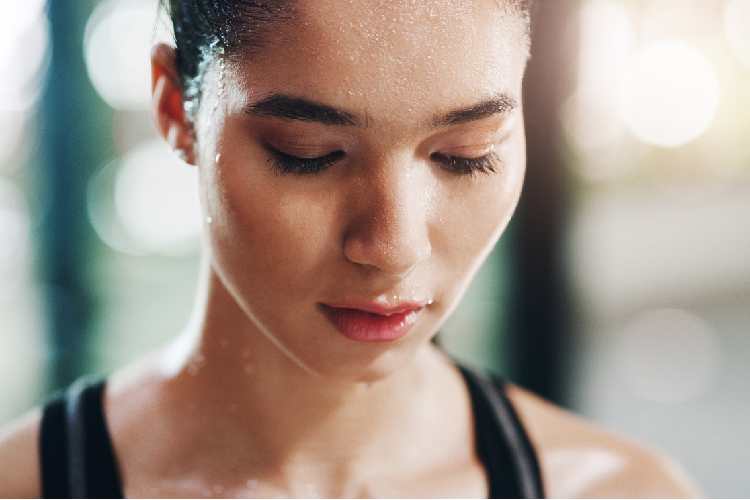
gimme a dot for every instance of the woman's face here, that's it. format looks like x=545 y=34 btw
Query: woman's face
x=357 y=171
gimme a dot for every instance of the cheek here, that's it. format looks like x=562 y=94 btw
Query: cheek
x=473 y=218
x=271 y=235
x=472 y=229
x=263 y=235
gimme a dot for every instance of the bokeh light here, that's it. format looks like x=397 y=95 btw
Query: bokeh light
x=669 y=355
x=147 y=203
x=23 y=47
x=24 y=37
x=737 y=28
x=607 y=40
x=670 y=94
x=119 y=35
x=663 y=19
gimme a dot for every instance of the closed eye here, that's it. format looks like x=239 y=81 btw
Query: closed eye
x=284 y=163
x=467 y=166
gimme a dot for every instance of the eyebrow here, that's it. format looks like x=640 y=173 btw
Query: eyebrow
x=286 y=107
x=502 y=104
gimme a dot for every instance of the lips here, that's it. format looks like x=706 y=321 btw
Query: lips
x=369 y=323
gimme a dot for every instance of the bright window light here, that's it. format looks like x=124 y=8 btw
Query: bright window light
x=607 y=42
x=23 y=50
x=17 y=20
x=22 y=54
x=669 y=94
x=737 y=28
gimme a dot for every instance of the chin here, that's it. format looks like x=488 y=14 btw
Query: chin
x=378 y=365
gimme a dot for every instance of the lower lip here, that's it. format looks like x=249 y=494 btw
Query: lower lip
x=363 y=326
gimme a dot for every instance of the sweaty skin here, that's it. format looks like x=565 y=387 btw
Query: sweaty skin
x=262 y=395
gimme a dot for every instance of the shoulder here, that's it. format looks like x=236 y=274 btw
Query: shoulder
x=580 y=460
x=19 y=458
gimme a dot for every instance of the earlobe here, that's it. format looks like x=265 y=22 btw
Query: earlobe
x=167 y=103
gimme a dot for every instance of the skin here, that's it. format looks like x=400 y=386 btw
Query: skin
x=262 y=395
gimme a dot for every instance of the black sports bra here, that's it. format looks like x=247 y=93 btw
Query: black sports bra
x=77 y=459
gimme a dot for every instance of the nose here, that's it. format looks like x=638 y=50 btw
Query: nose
x=388 y=224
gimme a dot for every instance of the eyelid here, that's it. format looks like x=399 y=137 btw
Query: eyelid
x=470 y=142
x=302 y=150
x=303 y=141
x=468 y=151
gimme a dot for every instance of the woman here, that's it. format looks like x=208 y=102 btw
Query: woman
x=357 y=163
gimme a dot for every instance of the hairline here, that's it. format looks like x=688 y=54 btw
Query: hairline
x=237 y=49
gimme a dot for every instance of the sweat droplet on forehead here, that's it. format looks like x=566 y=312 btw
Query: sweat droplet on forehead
x=392 y=62
x=400 y=55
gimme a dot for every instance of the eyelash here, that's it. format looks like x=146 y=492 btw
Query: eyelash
x=468 y=166
x=283 y=163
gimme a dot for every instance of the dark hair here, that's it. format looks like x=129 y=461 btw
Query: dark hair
x=206 y=28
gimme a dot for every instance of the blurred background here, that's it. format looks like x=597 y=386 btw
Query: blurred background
x=621 y=289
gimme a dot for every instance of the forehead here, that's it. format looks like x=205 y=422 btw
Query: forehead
x=393 y=54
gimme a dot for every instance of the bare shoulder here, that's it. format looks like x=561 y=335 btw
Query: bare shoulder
x=580 y=460
x=19 y=459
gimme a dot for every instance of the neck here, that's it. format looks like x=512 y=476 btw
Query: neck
x=232 y=373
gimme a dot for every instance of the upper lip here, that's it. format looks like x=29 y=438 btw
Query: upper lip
x=378 y=307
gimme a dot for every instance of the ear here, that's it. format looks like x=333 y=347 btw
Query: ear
x=167 y=103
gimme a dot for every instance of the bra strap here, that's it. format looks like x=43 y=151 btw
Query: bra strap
x=75 y=445
x=53 y=446
x=510 y=459
x=75 y=406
